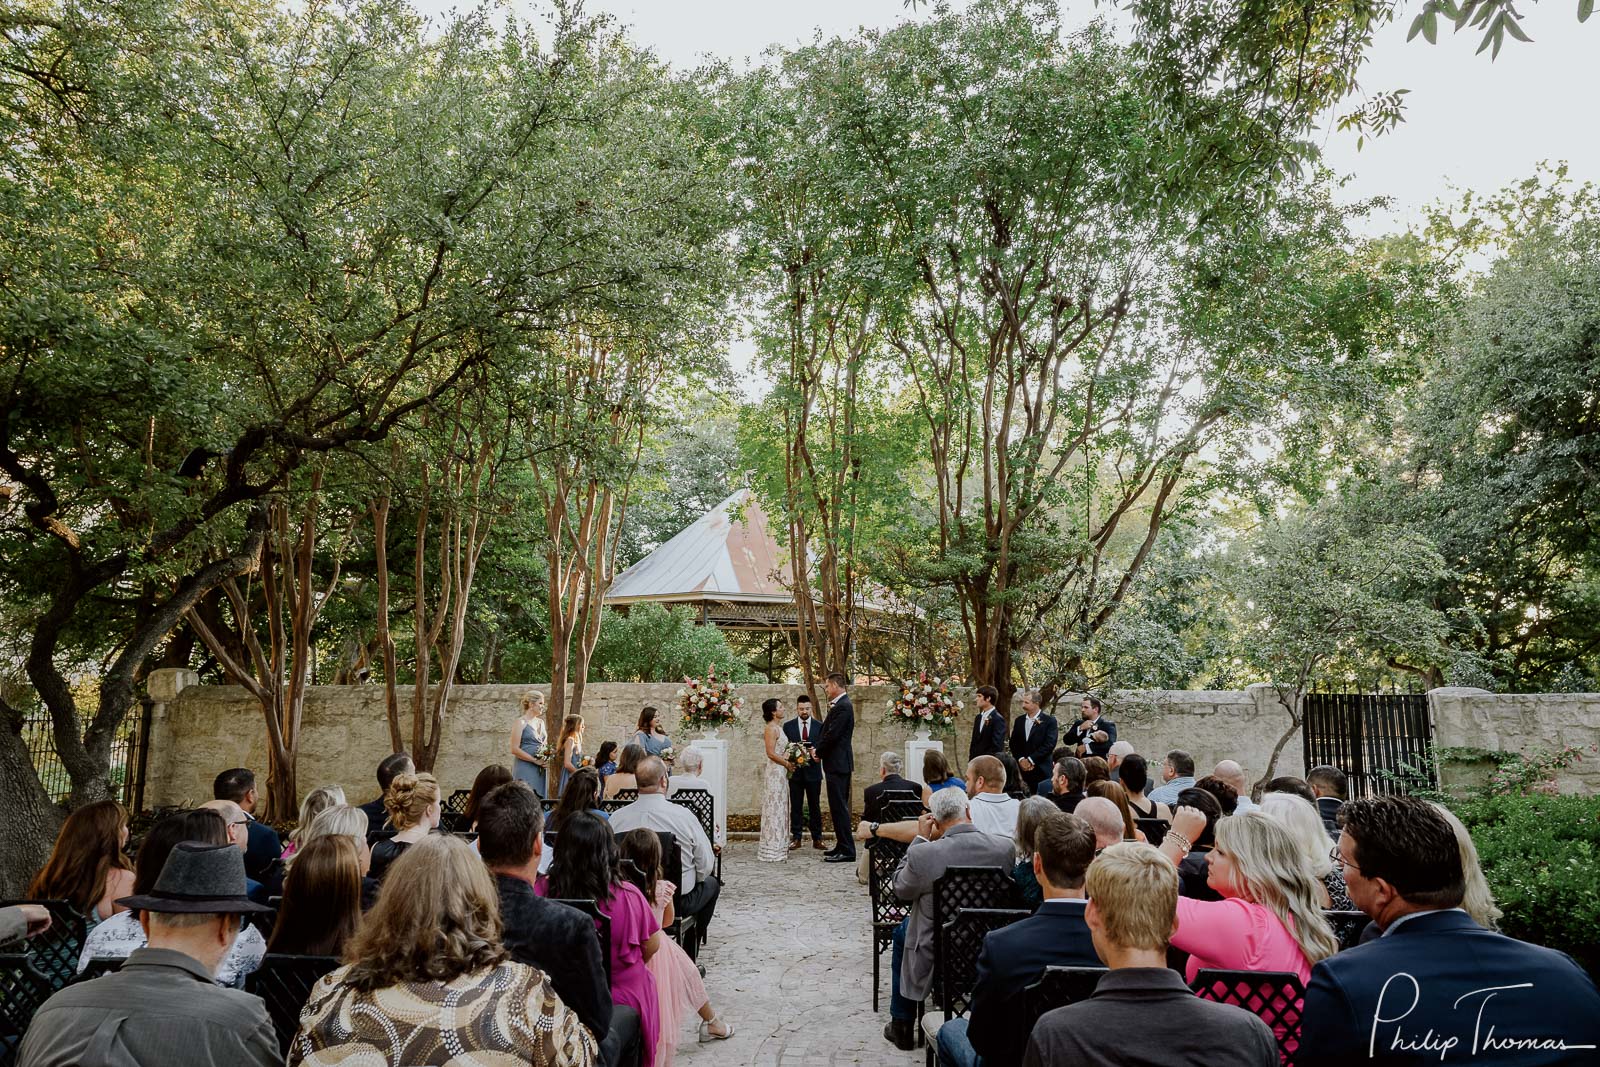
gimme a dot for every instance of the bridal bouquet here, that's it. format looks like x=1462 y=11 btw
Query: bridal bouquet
x=925 y=702
x=710 y=702
x=668 y=754
x=797 y=754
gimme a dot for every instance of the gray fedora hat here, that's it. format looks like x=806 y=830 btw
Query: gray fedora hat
x=200 y=879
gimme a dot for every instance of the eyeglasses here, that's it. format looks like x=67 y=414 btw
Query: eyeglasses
x=240 y=822
x=1340 y=862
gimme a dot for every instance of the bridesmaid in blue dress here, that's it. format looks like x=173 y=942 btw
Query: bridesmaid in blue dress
x=569 y=749
x=651 y=736
x=527 y=739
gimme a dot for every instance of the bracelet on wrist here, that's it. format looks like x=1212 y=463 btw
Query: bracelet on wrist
x=1183 y=843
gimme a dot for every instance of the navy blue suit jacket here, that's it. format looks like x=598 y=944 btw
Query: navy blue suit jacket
x=1036 y=748
x=1441 y=978
x=991 y=741
x=838 y=733
x=812 y=773
x=1013 y=958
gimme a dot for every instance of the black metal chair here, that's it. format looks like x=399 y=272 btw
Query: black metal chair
x=100 y=967
x=961 y=888
x=704 y=806
x=263 y=921
x=548 y=805
x=602 y=927
x=374 y=836
x=1348 y=926
x=961 y=943
x=1055 y=988
x=55 y=952
x=452 y=811
x=23 y=987
x=284 y=983
x=1155 y=830
x=884 y=858
x=625 y=796
x=903 y=809
x=1274 y=996
x=684 y=927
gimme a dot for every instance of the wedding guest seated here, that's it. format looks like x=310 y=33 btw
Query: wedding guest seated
x=487 y=781
x=623 y=777
x=345 y=821
x=1135 y=780
x=1435 y=984
x=605 y=761
x=581 y=794
x=1095 y=769
x=1104 y=819
x=1059 y=753
x=121 y=935
x=1287 y=783
x=1030 y=815
x=687 y=773
x=937 y=774
x=1230 y=771
x=1270 y=915
x=559 y=940
x=23 y=920
x=1114 y=792
x=316 y=802
x=993 y=810
x=1177 y=774
x=238 y=824
x=1331 y=785
x=388 y=768
x=87 y=867
x=1192 y=872
x=1014 y=786
x=1142 y=1012
x=164 y=1007
x=1478 y=899
x=1067 y=784
x=889 y=767
x=263 y=847
x=321 y=906
x=590 y=869
x=1115 y=757
x=653 y=811
x=1300 y=818
x=1014 y=957
x=430 y=979
x=1227 y=796
x=413 y=806
x=946 y=838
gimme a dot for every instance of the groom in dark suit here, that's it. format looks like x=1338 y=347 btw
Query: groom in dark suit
x=838 y=761
x=805 y=784
x=1033 y=739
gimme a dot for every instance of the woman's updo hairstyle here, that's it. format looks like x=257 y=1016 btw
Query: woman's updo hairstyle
x=409 y=797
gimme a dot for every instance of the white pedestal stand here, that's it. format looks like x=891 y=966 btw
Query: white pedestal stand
x=715 y=753
x=914 y=750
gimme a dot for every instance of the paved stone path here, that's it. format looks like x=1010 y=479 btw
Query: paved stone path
x=789 y=963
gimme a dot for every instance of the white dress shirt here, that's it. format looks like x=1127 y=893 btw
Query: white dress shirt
x=653 y=811
x=995 y=813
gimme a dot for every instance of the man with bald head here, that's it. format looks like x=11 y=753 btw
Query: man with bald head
x=993 y=811
x=1233 y=774
x=1104 y=818
x=1119 y=752
x=653 y=811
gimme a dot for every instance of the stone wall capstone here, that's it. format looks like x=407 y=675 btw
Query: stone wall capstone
x=1518 y=722
x=200 y=730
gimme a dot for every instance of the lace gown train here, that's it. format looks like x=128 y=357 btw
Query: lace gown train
x=774 y=814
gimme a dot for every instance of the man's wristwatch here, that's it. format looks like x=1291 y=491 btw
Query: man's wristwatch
x=872 y=828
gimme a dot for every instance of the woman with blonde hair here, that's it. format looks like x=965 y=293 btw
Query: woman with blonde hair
x=346 y=821
x=569 y=750
x=412 y=802
x=316 y=802
x=1298 y=816
x=428 y=979
x=88 y=867
x=528 y=742
x=1478 y=901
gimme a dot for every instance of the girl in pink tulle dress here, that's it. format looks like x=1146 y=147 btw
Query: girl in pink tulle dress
x=679 y=988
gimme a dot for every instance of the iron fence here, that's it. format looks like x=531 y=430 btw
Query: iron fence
x=1380 y=740
x=129 y=756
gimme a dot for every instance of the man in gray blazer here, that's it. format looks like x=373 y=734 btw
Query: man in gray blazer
x=946 y=838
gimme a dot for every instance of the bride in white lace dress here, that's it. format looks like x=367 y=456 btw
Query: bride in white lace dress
x=774 y=846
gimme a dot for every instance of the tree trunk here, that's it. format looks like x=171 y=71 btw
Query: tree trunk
x=31 y=820
x=1293 y=705
x=385 y=639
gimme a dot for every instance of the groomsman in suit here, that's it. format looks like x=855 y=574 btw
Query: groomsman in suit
x=805 y=784
x=1435 y=985
x=989 y=728
x=1033 y=738
x=838 y=761
x=1094 y=734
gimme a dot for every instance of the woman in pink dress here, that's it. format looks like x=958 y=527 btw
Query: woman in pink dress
x=1270 y=915
x=587 y=869
x=679 y=988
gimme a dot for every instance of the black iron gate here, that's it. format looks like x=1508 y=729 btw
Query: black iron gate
x=1380 y=740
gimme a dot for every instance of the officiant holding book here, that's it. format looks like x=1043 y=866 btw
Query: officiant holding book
x=805 y=784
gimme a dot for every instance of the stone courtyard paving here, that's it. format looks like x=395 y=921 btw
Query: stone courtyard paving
x=790 y=965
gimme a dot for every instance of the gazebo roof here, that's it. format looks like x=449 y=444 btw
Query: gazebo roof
x=717 y=558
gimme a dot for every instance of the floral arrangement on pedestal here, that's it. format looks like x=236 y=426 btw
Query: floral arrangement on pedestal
x=710 y=703
x=926 y=702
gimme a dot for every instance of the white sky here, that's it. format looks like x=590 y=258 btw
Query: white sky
x=1470 y=123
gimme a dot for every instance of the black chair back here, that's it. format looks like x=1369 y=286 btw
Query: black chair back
x=264 y=921
x=23 y=987
x=374 y=836
x=614 y=804
x=1348 y=926
x=456 y=802
x=961 y=888
x=683 y=925
x=902 y=809
x=55 y=952
x=625 y=796
x=284 y=983
x=1155 y=830
x=883 y=859
x=704 y=806
x=962 y=942
x=1055 y=988
x=100 y=967
x=1274 y=996
x=602 y=927
x=548 y=806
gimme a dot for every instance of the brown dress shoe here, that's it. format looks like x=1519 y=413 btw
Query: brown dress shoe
x=816 y=844
x=794 y=844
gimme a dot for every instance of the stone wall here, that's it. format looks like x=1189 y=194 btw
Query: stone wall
x=1517 y=722
x=198 y=730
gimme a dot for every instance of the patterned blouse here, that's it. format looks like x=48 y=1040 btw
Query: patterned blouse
x=118 y=936
x=503 y=1014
